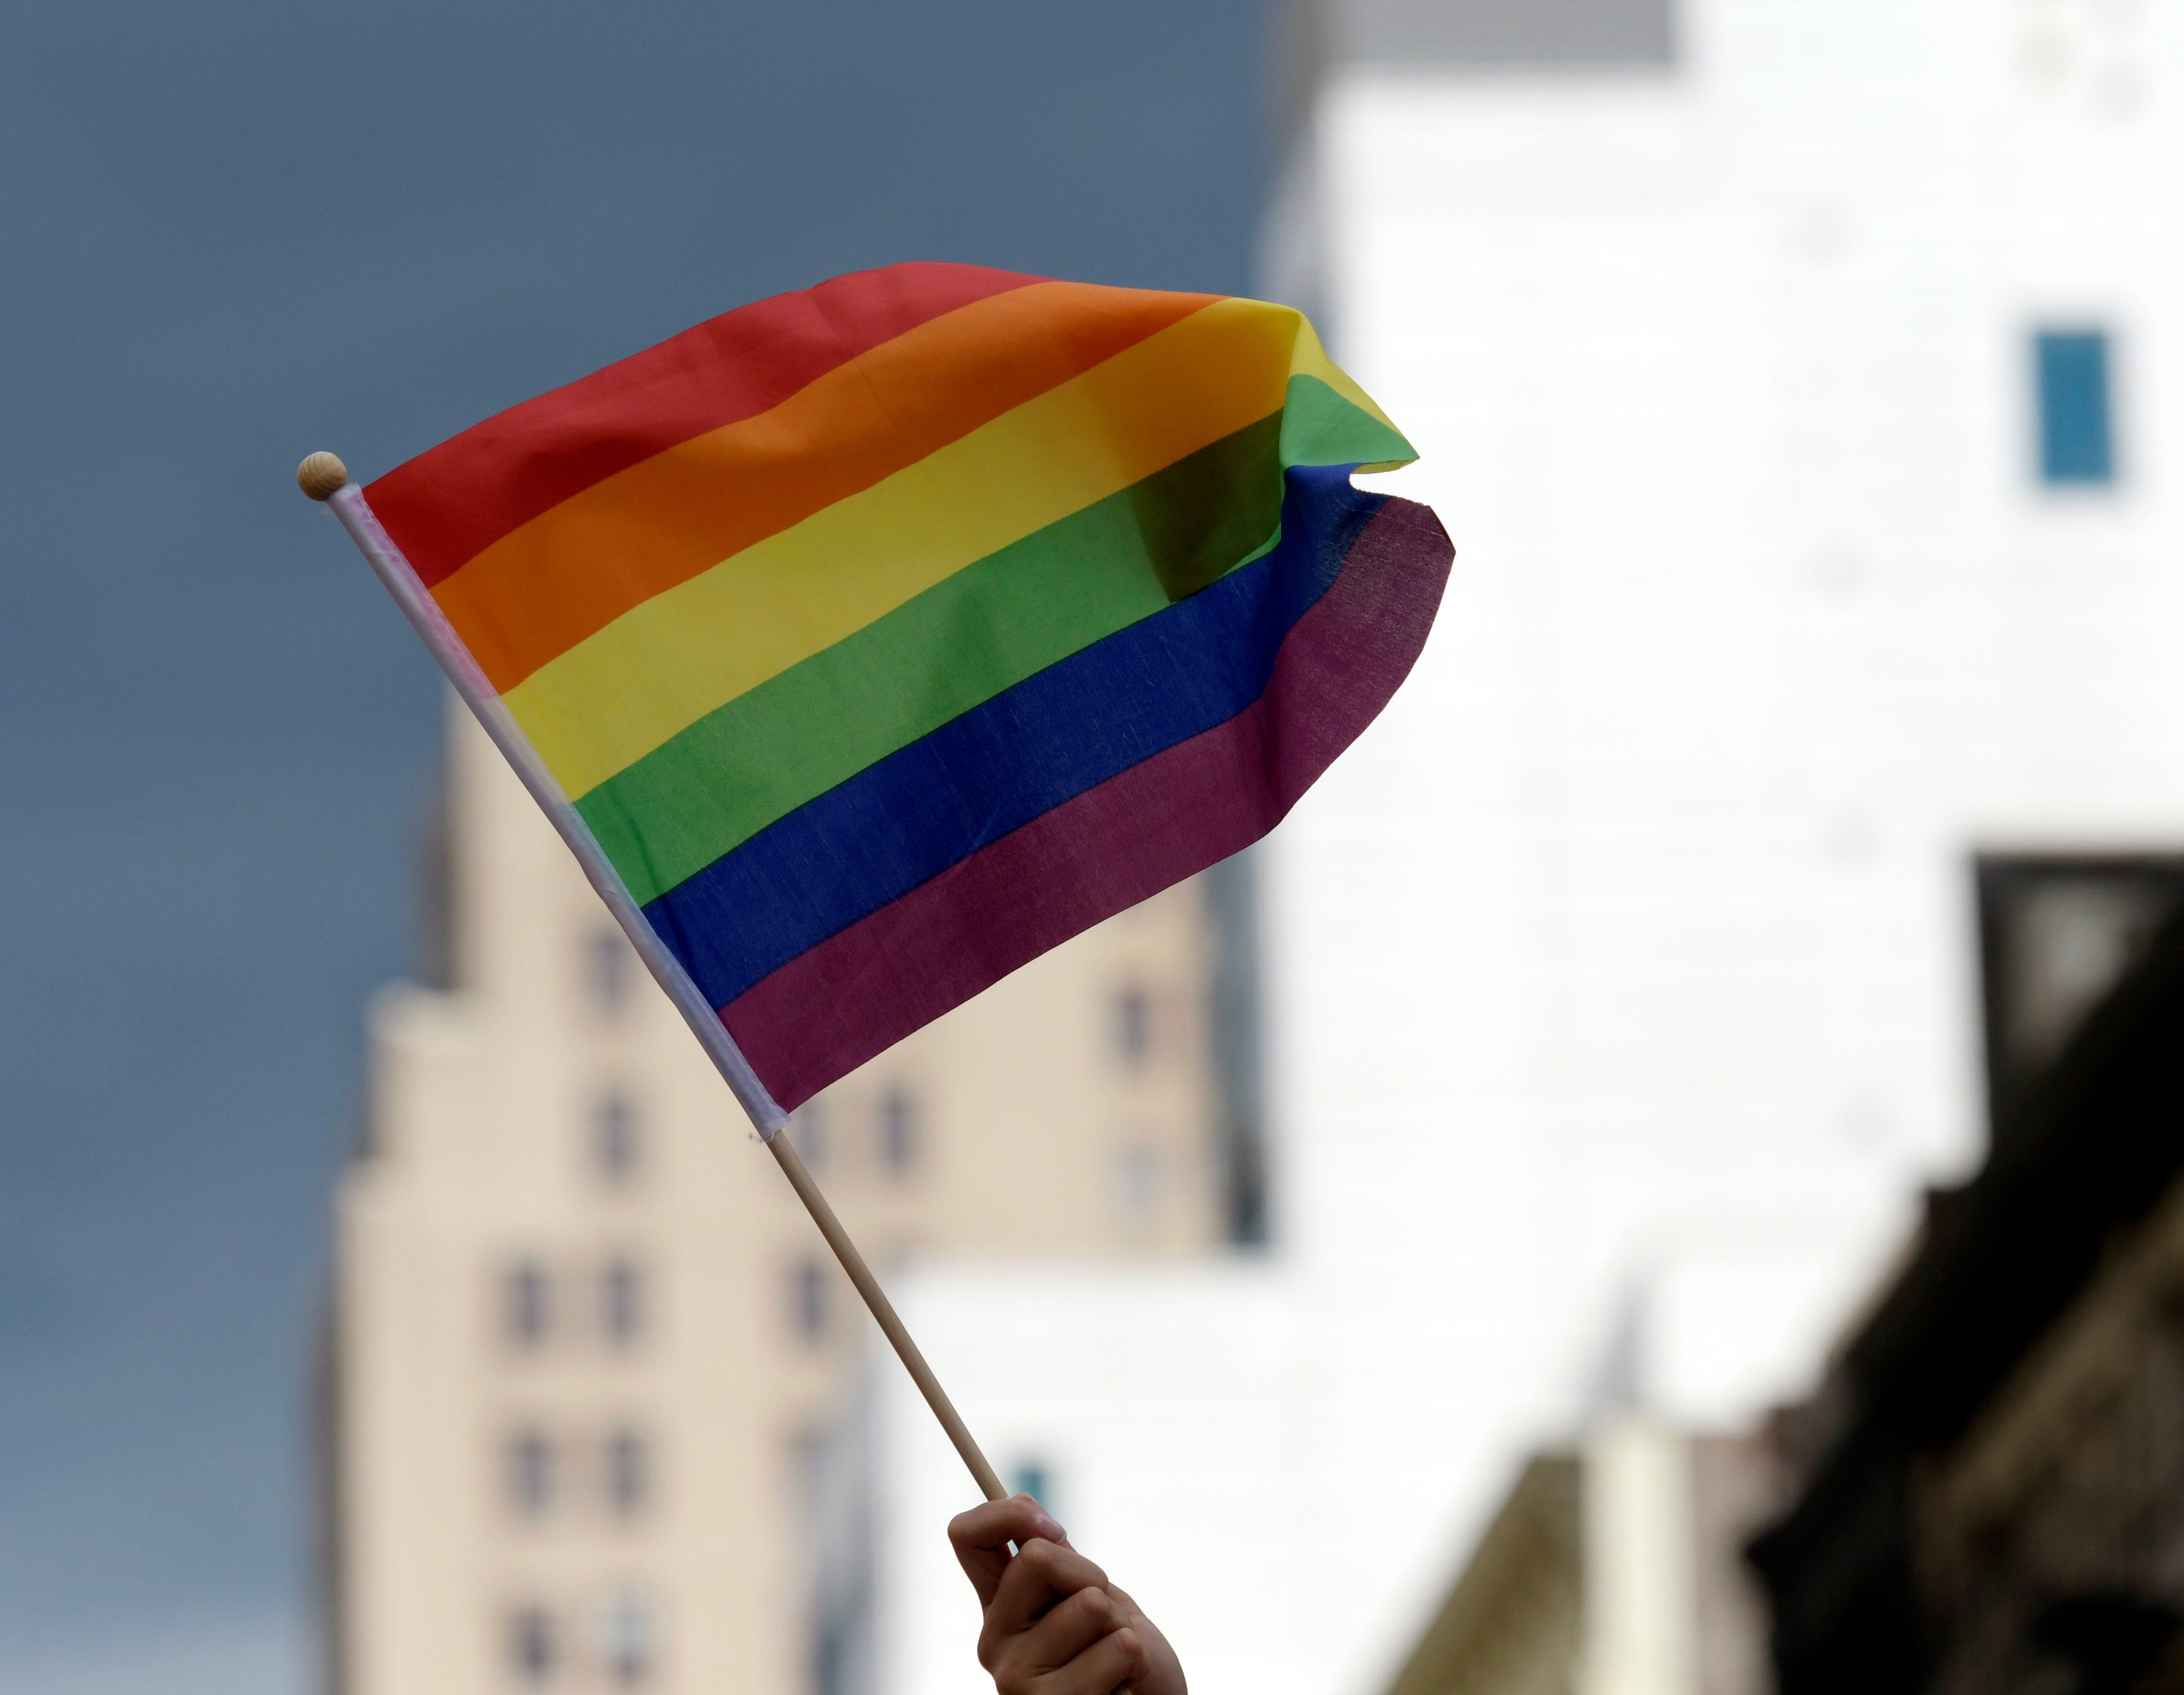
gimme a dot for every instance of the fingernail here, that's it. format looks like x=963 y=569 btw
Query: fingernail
x=1043 y=1526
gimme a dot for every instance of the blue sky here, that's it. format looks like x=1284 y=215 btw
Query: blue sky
x=230 y=233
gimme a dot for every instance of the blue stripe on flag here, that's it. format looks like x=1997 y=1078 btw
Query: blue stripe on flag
x=909 y=817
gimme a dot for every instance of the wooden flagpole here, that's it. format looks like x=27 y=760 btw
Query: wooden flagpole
x=324 y=478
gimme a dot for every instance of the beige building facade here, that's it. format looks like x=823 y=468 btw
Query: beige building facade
x=584 y=1339
x=1614 y=1569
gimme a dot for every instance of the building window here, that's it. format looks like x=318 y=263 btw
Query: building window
x=610 y=970
x=528 y=1460
x=614 y=1137
x=1132 y=1016
x=2077 y=432
x=899 y=1149
x=807 y=1296
x=525 y=1304
x=532 y=1651
x=2058 y=934
x=626 y=1639
x=628 y=1473
x=1137 y=1180
x=621 y=1303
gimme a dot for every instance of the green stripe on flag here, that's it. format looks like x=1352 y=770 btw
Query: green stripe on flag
x=713 y=787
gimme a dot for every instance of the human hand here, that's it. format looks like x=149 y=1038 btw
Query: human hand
x=1055 y=1625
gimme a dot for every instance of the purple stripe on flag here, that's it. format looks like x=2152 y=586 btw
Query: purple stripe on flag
x=835 y=1005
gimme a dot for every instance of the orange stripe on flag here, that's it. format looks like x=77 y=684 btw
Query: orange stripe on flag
x=547 y=585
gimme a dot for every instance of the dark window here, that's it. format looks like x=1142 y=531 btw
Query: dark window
x=610 y=970
x=807 y=1293
x=529 y=1459
x=626 y=1639
x=531 y=1646
x=2077 y=432
x=1133 y=1027
x=614 y=1137
x=2056 y=934
x=524 y=1303
x=1137 y=1180
x=899 y=1147
x=628 y=1473
x=621 y=1301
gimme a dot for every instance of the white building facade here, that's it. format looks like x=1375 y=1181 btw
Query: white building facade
x=1802 y=385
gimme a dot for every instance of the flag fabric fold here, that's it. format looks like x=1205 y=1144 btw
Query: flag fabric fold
x=888 y=634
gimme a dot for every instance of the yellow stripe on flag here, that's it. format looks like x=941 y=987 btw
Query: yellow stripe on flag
x=661 y=666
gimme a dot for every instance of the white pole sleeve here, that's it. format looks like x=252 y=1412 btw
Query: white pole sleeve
x=425 y=617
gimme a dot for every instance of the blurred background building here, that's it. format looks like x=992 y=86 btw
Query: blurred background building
x=584 y=1338
x=1799 y=383
x=1616 y=1570
x=1989 y=1479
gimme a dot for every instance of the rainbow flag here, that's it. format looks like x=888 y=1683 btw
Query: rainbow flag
x=889 y=633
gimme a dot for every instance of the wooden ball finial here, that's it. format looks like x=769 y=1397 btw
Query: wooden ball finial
x=321 y=476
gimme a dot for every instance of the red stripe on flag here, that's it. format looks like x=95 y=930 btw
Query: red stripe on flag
x=452 y=502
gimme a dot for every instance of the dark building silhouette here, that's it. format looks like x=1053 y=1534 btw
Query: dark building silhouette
x=1991 y=1479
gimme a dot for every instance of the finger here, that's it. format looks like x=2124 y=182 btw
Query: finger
x=1042 y=1574
x=982 y=1535
x=1069 y=1628
x=1045 y=1572
x=1114 y=1660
